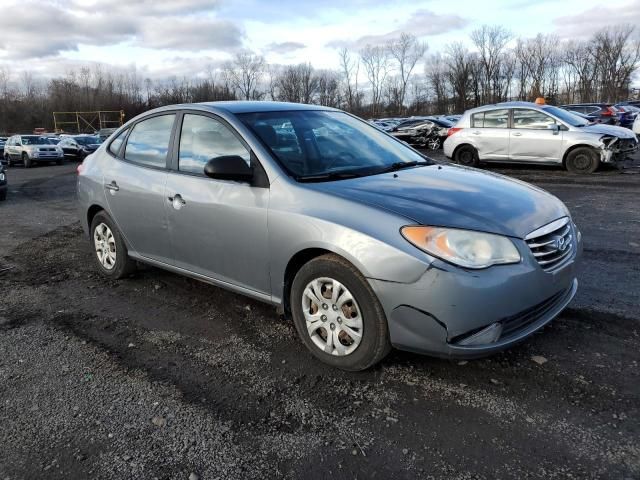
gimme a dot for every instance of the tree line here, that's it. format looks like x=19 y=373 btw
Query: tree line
x=397 y=78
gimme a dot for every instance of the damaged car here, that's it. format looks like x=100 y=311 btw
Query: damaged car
x=429 y=132
x=522 y=132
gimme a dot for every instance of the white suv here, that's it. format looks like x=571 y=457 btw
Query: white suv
x=28 y=149
x=523 y=132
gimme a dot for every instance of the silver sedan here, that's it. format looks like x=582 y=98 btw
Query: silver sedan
x=363 y=242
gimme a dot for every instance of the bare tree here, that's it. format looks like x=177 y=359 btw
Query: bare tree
x=245 y=72
x=491 y=42
x=407 y=51
x=616 y=54
x=350 y=68
x=459 y=71
x=376 y=63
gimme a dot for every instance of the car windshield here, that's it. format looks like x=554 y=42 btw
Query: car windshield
x=567 y=117
x=35 y=141
x=311 y=143
x=87 y=140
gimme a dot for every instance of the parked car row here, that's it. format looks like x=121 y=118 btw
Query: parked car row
x=29 y=149
x=619 y=114
x=425 y=132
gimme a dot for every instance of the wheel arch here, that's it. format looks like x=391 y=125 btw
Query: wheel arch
x=294 y=265
x=92 y=211
x=576 y=146
x=465 y=144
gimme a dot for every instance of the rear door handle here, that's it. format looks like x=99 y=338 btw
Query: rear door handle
x=516 y=134
x=113 y=186
x=177 y=202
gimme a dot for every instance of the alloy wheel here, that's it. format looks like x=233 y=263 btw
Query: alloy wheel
x=105 y=245
x=333 y=317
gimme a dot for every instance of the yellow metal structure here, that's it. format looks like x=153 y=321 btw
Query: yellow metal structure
x=87 y=122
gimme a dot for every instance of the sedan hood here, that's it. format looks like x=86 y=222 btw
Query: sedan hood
x=457 y=197
x=608 y=130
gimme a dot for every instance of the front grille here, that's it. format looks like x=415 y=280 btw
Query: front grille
x=552 y=244
x=522 y=320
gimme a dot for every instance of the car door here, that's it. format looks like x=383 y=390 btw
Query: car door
x=535 y=137
x=135 y=185
x=218 y=228
x=490 y=134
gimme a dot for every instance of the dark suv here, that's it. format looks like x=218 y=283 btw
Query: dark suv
x=599 y=112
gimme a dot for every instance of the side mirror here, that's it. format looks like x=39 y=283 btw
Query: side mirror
x=555 y=128
x=229 y=167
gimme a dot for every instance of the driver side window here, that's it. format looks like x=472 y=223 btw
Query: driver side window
x=203 y=138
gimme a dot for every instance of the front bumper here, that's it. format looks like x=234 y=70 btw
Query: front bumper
x=448 y=305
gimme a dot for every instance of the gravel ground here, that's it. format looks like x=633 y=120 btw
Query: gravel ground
x=159 y=376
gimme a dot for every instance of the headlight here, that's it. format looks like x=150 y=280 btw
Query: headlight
x=465 y=248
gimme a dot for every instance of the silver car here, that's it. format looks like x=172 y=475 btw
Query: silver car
x=29 y=149
x=522 y=132
x=358 y=238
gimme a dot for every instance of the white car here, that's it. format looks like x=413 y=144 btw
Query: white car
x=522 y=132
x=636 y=125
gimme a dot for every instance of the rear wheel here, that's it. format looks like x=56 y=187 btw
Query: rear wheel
x=337 y=314
x=434 y=143
x=109 y=248
x=582 y=160
x=26 y=161
x=467 y=155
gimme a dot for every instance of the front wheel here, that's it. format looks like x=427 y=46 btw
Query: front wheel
x=467 y=155
x=582 y=160
x=26 y=161
x=434 y=143
x=337 y=314
x=109 y=248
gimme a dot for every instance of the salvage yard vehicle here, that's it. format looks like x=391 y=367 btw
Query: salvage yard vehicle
x=78 y=147
x=362 y=241
x=430 y=133
x=3 y=183
x=522 y=132
x=28 y=149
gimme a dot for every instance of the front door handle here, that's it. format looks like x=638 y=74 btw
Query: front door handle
x=177 y=201
x=113 y=187
x=516 y=134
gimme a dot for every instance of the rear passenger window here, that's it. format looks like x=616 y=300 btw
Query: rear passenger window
x=114 y=146
x=490 y=119
x=204 y=138
x=148 y=143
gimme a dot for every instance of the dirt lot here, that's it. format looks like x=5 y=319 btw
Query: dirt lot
x=159 y=376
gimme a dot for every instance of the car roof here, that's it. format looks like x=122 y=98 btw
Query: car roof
x=242 y=106
x=496 y=106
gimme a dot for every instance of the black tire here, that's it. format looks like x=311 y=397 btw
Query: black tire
x=124 y=265
x=467 y=155
x=3 y=195
x=374 y=344
x=582 y=160
x=26 y=161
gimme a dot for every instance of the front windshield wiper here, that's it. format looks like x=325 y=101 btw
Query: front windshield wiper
x=402 y=165
x=323 y=177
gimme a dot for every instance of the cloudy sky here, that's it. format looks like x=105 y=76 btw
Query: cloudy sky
x=186 y=37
